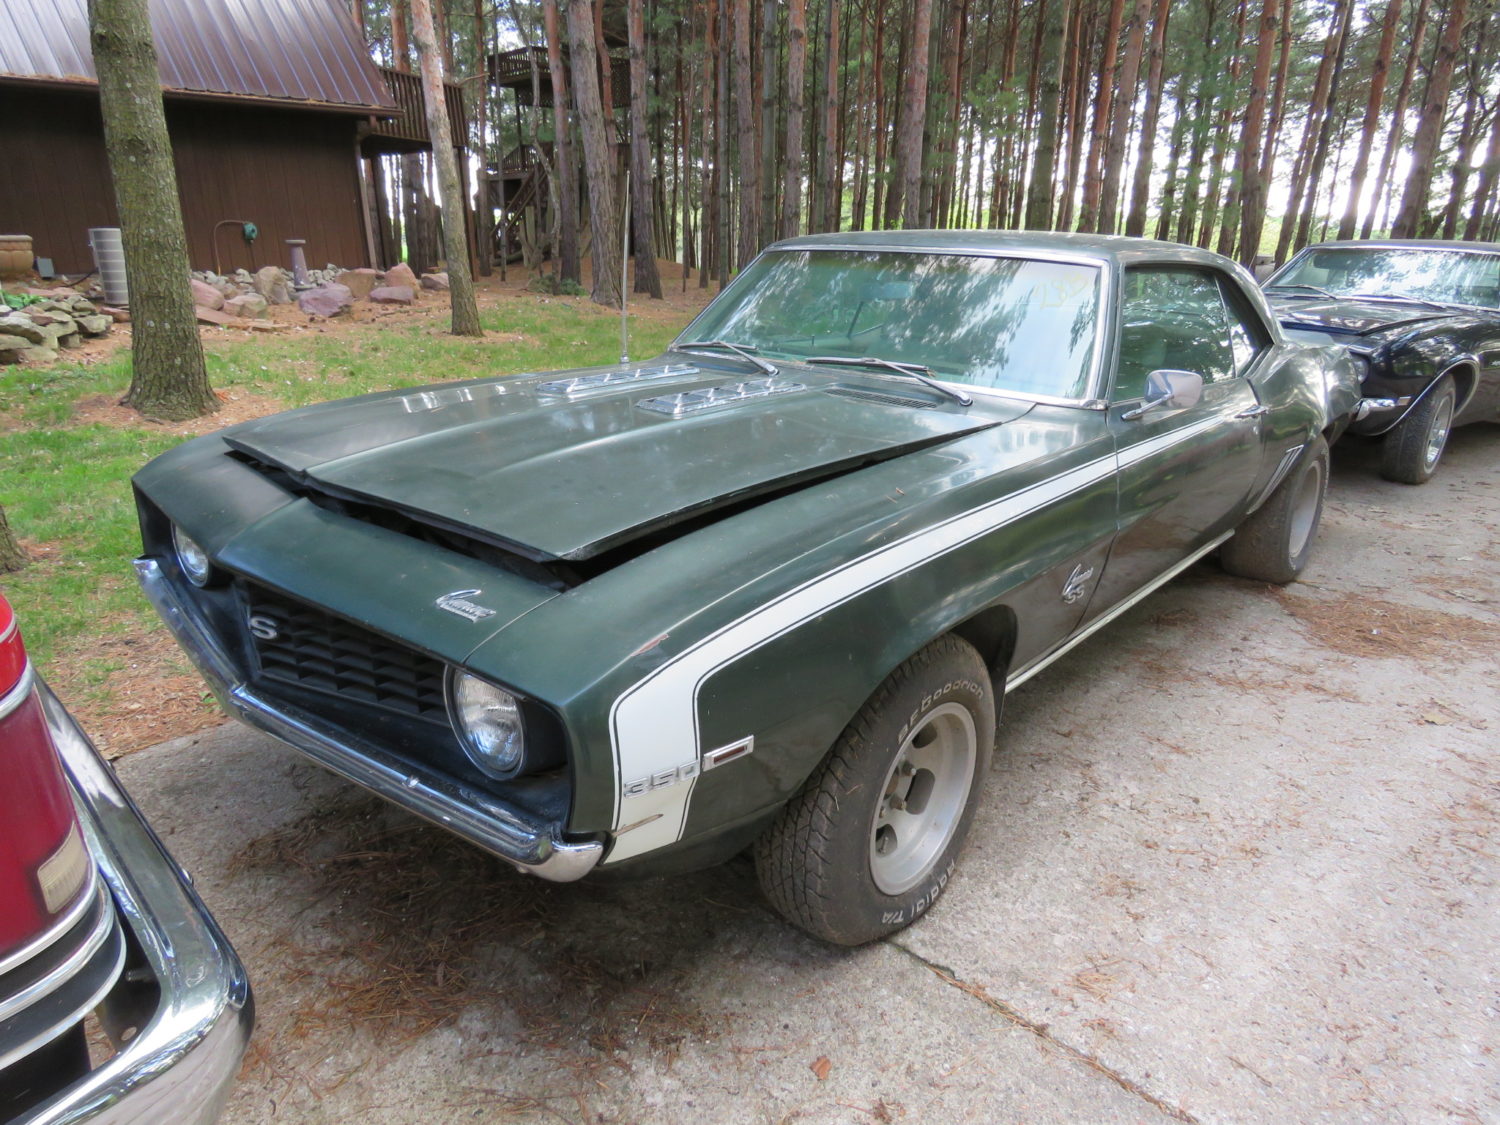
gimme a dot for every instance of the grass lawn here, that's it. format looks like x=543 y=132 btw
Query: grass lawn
x=67 y=453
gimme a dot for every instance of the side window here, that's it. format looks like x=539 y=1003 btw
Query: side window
x=1247 y=335
x=1176 y=318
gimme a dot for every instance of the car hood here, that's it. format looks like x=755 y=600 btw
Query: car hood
x=553 y=477
x=1354 y=316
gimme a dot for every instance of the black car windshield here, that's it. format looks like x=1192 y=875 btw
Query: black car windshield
x=1450 y=277
x=1012 y=324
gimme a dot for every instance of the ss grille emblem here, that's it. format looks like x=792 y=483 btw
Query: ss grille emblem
x=263 y=628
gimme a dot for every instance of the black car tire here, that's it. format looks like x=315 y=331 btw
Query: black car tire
x=1411 y=451
x=1274 y=543
x=914 y=758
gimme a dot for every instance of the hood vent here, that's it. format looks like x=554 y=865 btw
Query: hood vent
x=583 y=384
x=719 y=395
x=884 y=399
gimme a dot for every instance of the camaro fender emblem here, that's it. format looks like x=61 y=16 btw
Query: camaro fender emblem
x=672 y=775
x=458 y=602
x=1077 y=583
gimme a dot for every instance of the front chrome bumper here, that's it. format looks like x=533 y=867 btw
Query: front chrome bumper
x=178 y=1067
x=1369 y=406
x=481 y=818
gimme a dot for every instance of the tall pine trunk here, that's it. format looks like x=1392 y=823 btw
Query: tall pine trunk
x=1039 y=193
x=465 y=310
x=1119 y=131
x=796 y=65
x=647 y=277
x=1140 y=186
x=12 y=556
x=1252 y=139
x=565 y=160
x=1379 y=71
x=1430 y=125
x=913 y=119
x=168 y=377
x=599 y=163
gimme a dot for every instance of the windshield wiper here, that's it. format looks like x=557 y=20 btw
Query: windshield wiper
x=742 y=350
x=1396 y=297
x=1298 y=285
x=911 y=370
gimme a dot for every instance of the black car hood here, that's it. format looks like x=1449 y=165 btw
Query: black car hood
x=1353 y=315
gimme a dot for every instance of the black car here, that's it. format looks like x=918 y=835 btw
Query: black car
x=1424 y=317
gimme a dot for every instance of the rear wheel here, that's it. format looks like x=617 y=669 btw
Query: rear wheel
x=1412 y=450
x=871 y=839
x=1276 y=540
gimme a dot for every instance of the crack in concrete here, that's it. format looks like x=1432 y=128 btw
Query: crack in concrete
x=1041 y=1031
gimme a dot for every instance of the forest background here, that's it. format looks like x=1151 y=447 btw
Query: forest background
x=1251 y=127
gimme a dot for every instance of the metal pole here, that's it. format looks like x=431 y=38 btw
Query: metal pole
x=624 y=269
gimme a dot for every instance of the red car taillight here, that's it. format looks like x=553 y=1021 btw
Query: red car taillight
x=44 y=865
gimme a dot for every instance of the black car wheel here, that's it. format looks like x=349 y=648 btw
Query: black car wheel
x=1276 y=540
x=1411 y=451
x=870 y=841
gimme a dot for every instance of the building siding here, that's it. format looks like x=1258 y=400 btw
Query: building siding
x=291 y=172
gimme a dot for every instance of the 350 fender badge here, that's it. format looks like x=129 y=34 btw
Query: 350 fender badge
x=458 y=602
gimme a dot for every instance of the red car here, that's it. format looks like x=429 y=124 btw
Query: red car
x=96 y=917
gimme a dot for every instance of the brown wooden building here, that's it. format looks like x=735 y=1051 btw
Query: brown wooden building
x=270 y=105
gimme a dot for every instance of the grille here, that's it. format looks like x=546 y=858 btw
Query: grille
x=319 y=652
x=884 y=399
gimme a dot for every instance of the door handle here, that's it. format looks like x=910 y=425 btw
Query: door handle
x=1254 y=411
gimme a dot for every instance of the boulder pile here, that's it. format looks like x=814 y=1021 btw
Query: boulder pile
x=242 y=296
x=62 y=318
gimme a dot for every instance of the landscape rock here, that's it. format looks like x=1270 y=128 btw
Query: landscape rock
x=246 y=304
x=9 y=343
x=393 y=295
x=96 y=325
x=400 y=275
x=119 y=316
x=359 y=281
x=36 y=355
x=71 y=340
x=226 y=287
x=272 y=284
x=206 y=295
x=23 y=327
x=325 y=300
x=434 y=281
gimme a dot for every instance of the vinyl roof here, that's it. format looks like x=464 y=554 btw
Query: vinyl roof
x=302 y=51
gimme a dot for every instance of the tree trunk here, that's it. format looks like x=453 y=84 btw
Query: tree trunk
x=1119 y=130
x=1140 y=186
x=1302 y=166
x=1252 y=141
x=1088 y=212
x=744 y=111
x=1381 y=195
x=1054 y=17
x=1325 y=130
x=484 y=215
x=826 y=208
x=1489 y=172
x=12 y=557
x=604 y=220
x=566 y=162
x=1468 y=135
x=168 y=376
x=768 y=103
x=913 y=117
x=465 y=310
x=796 y=63
x=1430 y=125
x=647 y=278
x=1379 y=71
x=400 y=50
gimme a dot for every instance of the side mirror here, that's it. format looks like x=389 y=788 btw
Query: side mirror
x=1168 y=389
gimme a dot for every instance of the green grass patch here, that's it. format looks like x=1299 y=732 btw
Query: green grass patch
x=66 y=485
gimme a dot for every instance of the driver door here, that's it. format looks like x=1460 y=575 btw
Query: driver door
x=1185 y=474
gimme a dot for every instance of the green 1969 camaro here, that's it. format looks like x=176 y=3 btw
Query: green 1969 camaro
x=767 y=588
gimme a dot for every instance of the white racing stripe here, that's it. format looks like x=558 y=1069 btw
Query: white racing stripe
x=654 y=723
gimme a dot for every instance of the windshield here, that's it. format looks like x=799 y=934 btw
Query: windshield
x=1452 y=277
x=1013 y=324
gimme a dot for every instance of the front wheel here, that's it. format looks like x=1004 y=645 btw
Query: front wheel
x=871 y=839
x=1411 y=451
x=1276 y=540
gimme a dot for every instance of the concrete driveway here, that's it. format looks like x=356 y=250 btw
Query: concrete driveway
x=1237 y=862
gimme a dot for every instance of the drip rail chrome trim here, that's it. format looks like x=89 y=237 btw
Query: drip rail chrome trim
x=1105 y=618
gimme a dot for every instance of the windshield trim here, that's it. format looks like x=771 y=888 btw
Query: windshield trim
x=1092 y=398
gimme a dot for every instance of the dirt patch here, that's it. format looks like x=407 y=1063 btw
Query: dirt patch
x=237 y=406
x=151 y=698
x=1362 y=626
x=421 y=926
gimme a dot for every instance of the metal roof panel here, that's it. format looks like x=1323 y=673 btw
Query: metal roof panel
x=306 y=51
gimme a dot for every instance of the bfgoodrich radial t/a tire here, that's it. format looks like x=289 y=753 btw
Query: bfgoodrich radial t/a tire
x=871 y=839
x=1275 y=542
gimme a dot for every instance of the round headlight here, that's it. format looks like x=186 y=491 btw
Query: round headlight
x=191 y=558
x=487 y=720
